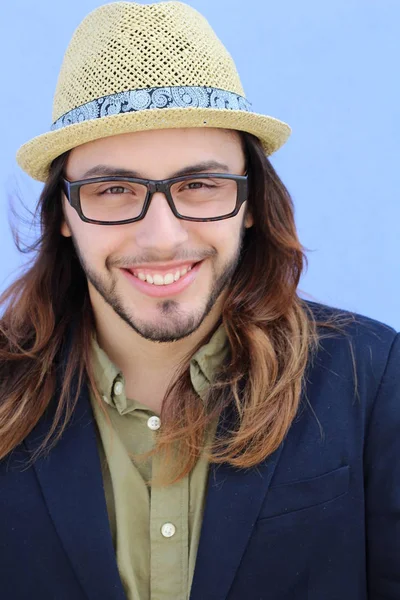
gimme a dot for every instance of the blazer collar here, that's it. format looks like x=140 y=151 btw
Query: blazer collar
x=233 y=502
x=71 y=481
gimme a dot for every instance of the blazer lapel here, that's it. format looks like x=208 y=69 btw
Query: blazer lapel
x=233 y=502
x=71 y=481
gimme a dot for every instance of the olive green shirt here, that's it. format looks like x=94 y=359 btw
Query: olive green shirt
x=155 y=530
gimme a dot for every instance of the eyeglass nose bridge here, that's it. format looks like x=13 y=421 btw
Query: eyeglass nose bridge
x=157 y=186
x=163 y=187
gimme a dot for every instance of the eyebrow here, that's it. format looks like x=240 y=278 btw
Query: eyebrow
x=108 y=171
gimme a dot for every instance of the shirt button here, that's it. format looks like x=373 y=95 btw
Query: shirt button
x=168 y=530
x=118 y=388
x=154 y=423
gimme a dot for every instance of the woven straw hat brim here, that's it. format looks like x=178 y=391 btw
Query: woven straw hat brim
x=35 y=156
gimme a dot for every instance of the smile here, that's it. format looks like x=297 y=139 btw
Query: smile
x=169 y=283
x=162 y=279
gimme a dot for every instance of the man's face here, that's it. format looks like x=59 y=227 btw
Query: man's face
x=120 y=261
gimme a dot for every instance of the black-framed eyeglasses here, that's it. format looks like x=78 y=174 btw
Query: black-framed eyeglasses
x=119 y=200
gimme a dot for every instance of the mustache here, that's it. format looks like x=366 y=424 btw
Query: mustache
x=152 y=257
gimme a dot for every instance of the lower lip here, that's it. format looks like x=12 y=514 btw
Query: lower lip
x=163 y=291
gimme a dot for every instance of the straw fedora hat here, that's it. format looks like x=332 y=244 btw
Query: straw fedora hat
x=133 y=67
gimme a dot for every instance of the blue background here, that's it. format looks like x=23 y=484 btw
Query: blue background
x=328 y=68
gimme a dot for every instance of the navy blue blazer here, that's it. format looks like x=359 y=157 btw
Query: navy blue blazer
x=318 y=520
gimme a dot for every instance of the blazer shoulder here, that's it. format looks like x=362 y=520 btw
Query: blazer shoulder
x=353 y=345
x=349 y=325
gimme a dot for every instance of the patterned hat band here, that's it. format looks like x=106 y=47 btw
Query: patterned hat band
x=151 y=98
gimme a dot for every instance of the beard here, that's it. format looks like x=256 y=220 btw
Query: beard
x=176 y=322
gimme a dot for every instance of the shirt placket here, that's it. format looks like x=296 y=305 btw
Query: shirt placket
x=169 y=539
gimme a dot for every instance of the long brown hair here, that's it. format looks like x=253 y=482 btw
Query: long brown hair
x=271 y=333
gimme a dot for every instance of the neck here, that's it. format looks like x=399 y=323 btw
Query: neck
x=146 y=365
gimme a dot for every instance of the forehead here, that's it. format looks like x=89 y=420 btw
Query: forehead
x=158 y=153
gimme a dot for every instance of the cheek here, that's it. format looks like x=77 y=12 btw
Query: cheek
x=93 y=240
x=224 y=235
x=94 y=245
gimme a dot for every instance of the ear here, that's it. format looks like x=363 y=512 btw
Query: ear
x=248 y=220
x=65 y=230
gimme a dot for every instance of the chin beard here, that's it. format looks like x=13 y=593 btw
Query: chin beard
x=176 y=323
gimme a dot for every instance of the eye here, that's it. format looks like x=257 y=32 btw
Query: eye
x=196 y=185
x=115 y=190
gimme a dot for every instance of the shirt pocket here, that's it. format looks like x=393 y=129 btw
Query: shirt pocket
x=298 y=495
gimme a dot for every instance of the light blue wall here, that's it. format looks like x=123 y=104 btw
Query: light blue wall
x=329 y=68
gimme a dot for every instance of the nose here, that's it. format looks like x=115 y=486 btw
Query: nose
x=160 y=231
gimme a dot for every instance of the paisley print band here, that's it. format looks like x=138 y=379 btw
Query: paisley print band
x=153 y=98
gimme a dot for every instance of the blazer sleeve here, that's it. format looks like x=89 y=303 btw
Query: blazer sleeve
x=382 y=484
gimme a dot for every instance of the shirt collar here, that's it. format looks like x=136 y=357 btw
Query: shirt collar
x=204 y=363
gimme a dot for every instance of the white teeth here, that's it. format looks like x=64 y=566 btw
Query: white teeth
x=158 y=280
x=167 y=279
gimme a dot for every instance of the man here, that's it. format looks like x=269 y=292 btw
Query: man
x=175 y=421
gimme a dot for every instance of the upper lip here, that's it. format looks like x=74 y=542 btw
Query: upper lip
x=162 y=267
